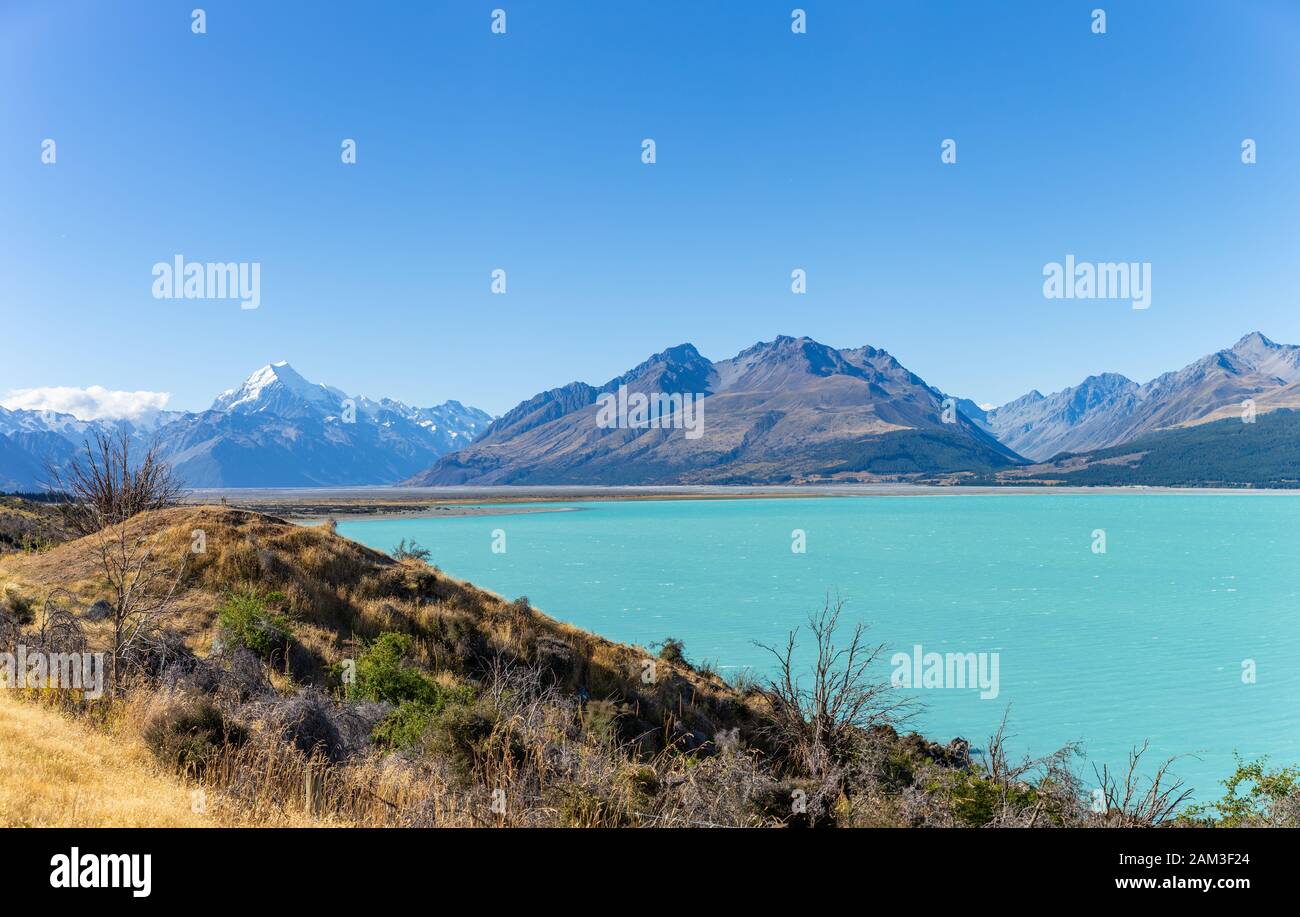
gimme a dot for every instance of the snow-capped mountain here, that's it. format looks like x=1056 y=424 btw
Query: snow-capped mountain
x=450 y=423
x=42 y=422
x=278 y=389
x=277 y=429
x=29 y=438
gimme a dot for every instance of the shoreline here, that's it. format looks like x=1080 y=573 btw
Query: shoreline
x=307 y=504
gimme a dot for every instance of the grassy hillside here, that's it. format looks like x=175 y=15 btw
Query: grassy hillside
x=27 y=525
x=303 y=678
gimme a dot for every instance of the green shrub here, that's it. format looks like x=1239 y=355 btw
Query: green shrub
x=411 y=552
x=897 y=769
x=35 y=544
x=385 y=673
x=460 y=735
x=404 y=727
x=1272 y=797
x=600 y=721
x=579 y=806
x=671 y=650
x=247 y=619
x=639 y=784
x=453 y=726
x=976 y=799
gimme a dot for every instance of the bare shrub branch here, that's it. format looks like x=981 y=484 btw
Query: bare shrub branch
x=820 y=726
x=1129 y=806
x=106 y=486
x=102 y=490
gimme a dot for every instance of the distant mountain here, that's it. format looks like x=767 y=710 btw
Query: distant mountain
x=23 y=455
x=1220 y=453
x=41 y=422
x=275 y=430
x=29 y=438
x=1111 y=409
x=1092 y=414
x=280 y=430
x=790 y=410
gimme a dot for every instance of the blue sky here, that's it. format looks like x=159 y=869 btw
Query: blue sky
x=522 y=151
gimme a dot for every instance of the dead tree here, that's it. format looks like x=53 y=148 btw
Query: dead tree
x=106 y=486
x=819 y=724
x=1126 y=805
x=102 y=490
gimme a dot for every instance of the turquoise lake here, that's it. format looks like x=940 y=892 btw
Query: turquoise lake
x=1145 y=641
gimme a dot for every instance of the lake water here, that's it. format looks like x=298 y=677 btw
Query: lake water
x=1148 y=640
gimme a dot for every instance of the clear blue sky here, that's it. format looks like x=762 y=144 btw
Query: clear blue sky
x=522 y=151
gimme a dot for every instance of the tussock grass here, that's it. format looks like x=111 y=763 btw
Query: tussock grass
x=60 y=772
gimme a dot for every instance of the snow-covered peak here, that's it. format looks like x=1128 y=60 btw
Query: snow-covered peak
x=274 y=388
x=24 y=421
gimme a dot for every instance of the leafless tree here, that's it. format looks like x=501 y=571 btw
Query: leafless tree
x=103 y=489
x=819 y=725
x=1128 y=806
x=512 y=685
x=106 y=486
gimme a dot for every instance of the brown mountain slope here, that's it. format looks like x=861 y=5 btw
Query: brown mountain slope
x=338 y=592
x=791 y=410
x=1278 y=399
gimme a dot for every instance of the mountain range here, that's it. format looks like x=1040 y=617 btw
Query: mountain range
x=275 y=430
x=791 y=410
x=796 y=411
x=1109 y=409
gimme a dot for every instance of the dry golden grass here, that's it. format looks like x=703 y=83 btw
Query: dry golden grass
x=60 y=772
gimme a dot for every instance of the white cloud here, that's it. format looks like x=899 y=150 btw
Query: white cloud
x=93 y=403
x=987 y=406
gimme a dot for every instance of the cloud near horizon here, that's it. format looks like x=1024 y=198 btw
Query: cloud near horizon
x=92 y=403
